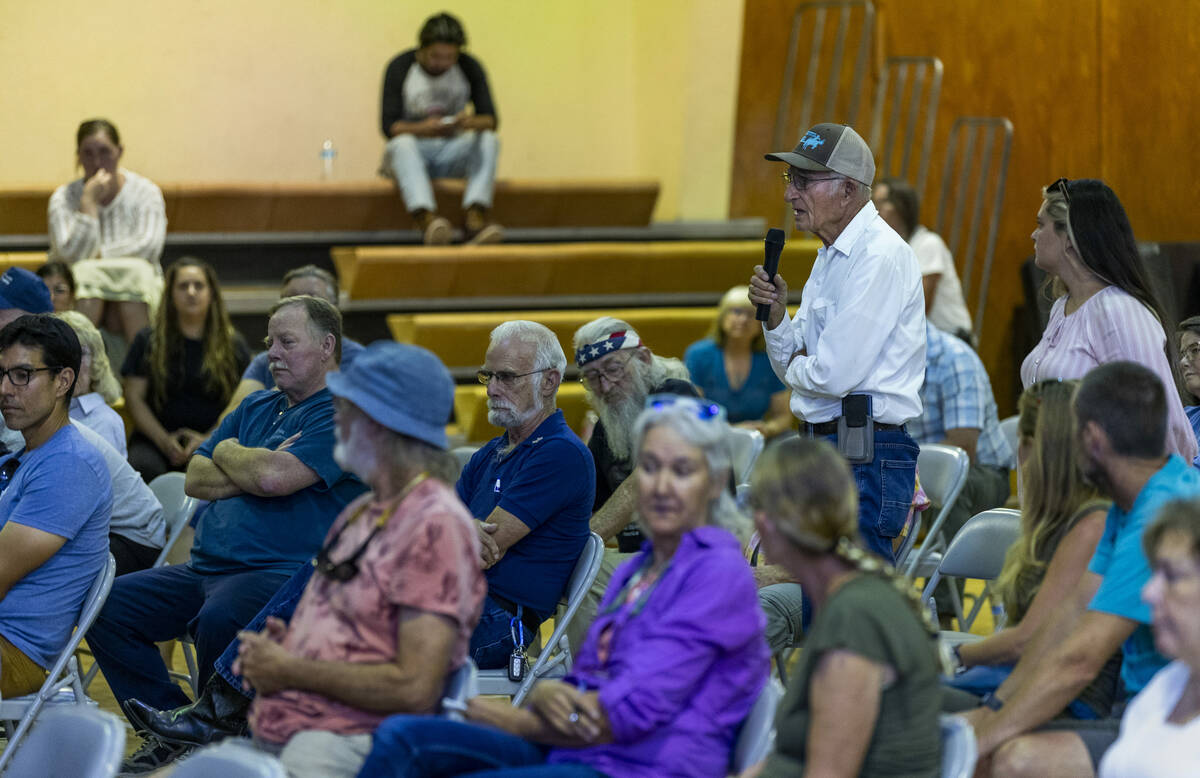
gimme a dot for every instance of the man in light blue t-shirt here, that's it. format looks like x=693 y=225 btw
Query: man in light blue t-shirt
x=1121 y=412
x=55 y=501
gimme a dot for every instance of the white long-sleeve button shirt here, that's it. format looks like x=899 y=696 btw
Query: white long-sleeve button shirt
x=134 y=224
x=862 y=324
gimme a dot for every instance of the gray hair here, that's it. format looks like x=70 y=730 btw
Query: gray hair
x=548 y=351
x=712 y=437
x=101 y=374
x=319 y=273
x=323 y=319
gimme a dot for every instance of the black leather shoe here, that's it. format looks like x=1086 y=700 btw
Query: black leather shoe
x=190 y=725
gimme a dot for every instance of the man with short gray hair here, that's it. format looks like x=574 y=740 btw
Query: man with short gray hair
x=532 y=488
x=854 y=356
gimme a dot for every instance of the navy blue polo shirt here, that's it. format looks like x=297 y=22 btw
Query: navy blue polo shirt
x=549 y=482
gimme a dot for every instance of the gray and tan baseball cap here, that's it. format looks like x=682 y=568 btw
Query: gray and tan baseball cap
x=836 y=148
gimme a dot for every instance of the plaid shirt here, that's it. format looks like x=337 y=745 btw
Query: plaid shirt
x=957 y=395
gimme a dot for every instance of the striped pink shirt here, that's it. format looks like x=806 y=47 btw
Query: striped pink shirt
x=1110 y=326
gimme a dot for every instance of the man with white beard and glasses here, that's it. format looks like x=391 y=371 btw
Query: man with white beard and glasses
x=532 y=488
x=618 y=372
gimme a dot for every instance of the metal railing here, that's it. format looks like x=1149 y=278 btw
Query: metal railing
x=904 y=114
x=973 y=178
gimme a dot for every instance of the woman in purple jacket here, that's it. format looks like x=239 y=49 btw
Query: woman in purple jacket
x=673 y=662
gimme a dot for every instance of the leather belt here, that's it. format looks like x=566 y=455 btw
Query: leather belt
x=530 y=619
x=831 y=427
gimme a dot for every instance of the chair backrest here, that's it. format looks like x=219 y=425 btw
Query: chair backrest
x=230 y=759
x=943 y=472
x=177 y=507
x=756 y=737
x=979 y=548
x=745 y=446
x=958 y=747
x=462 y=455
x=462 y=685
x=1008 y=427
x=74 y=740
x=586 y=568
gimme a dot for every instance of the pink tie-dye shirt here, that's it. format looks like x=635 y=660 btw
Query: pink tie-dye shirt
x=426 y=558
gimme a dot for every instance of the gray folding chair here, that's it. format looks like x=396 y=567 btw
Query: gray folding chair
x=63 y=684
x=230 y=759
x=554 y=660
x=943 y=472
x=463 y=454
x=177 y=507
x=958 y=747
x=745 y=446
x=977 y=551
x=75 y=741
x=461 y=686
x=756 y=737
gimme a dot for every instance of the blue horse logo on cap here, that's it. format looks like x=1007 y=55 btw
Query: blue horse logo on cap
x=811 y=140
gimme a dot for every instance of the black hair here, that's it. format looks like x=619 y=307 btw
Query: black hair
x=58 y=342
x=442 y=28
x=1129 y=402
x=92 y=126
x=57 y=268
x=906 y=202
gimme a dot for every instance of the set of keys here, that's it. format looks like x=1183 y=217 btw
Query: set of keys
x=518 y=662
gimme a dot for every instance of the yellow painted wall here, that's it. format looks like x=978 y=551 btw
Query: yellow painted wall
x=213 y=90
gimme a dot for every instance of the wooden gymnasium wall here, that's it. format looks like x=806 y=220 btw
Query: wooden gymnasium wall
x=1094 y=88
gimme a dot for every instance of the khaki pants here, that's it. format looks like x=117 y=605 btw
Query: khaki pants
x=18 y=673
x=586 y=614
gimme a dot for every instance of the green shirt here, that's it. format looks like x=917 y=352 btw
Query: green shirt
x=869 y=617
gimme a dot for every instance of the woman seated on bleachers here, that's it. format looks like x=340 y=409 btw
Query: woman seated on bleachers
x=61 y=282
x=110 y=226
x=1062 y=519
x=1160 y=731
x=673 y=662
x=730 y=367
x=179 y=374
x=864 y=697
x=1189 y=367
x=96 y=388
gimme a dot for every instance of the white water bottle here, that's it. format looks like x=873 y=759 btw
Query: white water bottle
x=328 y=152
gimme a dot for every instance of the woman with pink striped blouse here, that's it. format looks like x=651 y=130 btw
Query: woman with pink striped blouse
x=1106 y=311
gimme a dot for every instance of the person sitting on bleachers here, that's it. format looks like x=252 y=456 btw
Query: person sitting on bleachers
x=1062 y=519
x=55 y=501
x=274 y=489
x=310 y=280
x=1121 y=412
x=21 y=292
x=179 y=374
x=1160 y=737
x=672 y=665
x=730 y=367
x=431 y=135
x=97 y=388
x=618 y=372
x=531 y=490
x=61 y=282
x=109 y=226
x=945 y=308
x=864 y=698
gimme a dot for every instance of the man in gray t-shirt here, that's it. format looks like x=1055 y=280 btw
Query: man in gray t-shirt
x=432 y=135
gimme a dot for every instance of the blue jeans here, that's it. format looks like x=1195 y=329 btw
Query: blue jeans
x=428 y=747
x=982 y=679
x=412 y=161
x=885 y=489
x=282 y=605
x=164 y=603
x=491 y=642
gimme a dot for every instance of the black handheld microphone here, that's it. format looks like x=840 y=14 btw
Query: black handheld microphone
x=772 y=249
